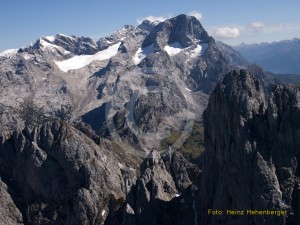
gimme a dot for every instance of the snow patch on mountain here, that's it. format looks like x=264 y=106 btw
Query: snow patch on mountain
x=27 y=56
x=66 y=36
x=197 y=51
x=80 y=61
x=9 y=52
x=173 y=49
x=50 y=38
x=142 y=53
x=109 y=42
x=45 y=45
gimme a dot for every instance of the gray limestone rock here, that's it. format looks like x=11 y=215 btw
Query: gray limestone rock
x=164 y=193
x=60 y=176
x=9 y=213
x=181 y=29
x=251 y=153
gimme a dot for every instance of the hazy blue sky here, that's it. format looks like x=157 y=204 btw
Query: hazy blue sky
x=231 y=21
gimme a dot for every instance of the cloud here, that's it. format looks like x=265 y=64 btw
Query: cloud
x=152 y=19
x=256 y=27
x=196 y=14
x=225 y=32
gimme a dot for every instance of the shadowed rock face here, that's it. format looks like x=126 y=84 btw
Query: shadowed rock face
x=9 y=213
x=57 y=175
x=252 y=151
x=164 y=193
x=181 y=29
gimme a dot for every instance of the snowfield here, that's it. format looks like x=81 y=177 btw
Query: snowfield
x=9 y=52
x=173 y=49
x=197 y=51
x=80 y=61
x=142 y=53
x=50 y=38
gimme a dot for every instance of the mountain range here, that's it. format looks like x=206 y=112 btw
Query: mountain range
x=154 y=124
x=117 y=84
x=277 y=57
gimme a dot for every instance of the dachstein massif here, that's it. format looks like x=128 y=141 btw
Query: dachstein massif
x=92 y=132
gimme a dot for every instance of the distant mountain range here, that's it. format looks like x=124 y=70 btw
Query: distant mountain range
x=277 y=57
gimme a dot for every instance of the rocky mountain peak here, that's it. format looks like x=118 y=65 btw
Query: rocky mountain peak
x=147 y=25
x=62 y=44
x=252 y=151
x=246 y=88
x=121 y=34
x=183 y=30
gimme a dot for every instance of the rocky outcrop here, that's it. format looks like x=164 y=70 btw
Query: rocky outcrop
x=234 y=56
x=9 y=213
x=73 y=44
x=57 y=175
x=163 y=194
x=252 y=152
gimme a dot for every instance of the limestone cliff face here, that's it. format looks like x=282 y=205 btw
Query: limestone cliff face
x=165 y=193
x=9 y=213
x=252 y=151
x=57 y=175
